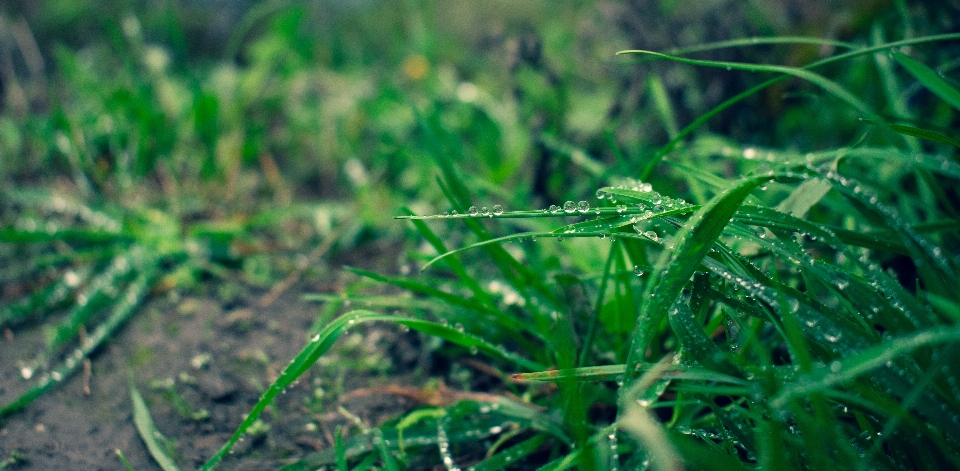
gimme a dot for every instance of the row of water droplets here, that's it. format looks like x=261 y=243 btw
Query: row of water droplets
x=123 y=307
x=443 y=445
x=106 y=284
x=73 y=214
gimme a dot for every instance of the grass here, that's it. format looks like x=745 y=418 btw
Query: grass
x=783 y=306
x=784 y=343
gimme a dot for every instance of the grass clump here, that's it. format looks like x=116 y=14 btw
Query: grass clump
x=800 y=313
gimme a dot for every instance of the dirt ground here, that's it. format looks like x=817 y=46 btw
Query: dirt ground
x=215 y=358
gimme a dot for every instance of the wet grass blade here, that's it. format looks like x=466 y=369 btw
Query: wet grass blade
x=322 y=342
x=99 y=291
x=930 y=79
x=921 y=133
x=826 y=84
x=148 y=431
x=863 y=362
x=705 y=117
x=511 y=455
x=674 y=269
x=612 y=372
x=124 y=307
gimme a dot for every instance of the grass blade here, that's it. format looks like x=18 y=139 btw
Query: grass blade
x=930 y=79
x=148 y=431
x=322 y=342
x=864 y=362
x=675 y=268
x=122 y=310
x=921 y=133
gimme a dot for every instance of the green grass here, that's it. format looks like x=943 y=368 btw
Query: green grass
x=719 y=305
x=784 y=342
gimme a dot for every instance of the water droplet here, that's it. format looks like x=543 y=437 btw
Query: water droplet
x=583 y=206
x=473 y=211
x=835 y=366
x=315 y=338
x=651 y=235
x=497 y=210
x=638 y=270
x=485 y=211
x=554 y=209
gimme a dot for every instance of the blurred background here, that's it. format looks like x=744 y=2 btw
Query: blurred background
x=330 y=99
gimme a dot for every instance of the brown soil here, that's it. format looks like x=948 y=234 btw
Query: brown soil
x=216 y=356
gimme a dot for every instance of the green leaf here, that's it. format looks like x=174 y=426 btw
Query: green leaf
x=804 y=197
x=148 y=431
x=674 y=269
x=921 y=133
x=863 y=362
x=930 y=79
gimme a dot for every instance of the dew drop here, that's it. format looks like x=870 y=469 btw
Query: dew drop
x=583 y=206
x=569 y=207
x=497 y=210
x=638 y=270
x=554 y=209
x=473 y=211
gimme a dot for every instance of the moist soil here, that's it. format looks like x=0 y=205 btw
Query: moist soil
x=201 y=360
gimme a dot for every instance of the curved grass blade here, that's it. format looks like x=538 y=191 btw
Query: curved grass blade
x=505 y=321
x=511 y=455
x=674 y=268
x=863 y=362
x=921 y=133
x=669 y=146
x=871 y=359
x=148 y=431
x=612 y=372
x=826 y=84
x=760 y=41
x=930 y=79
x=322 y=342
